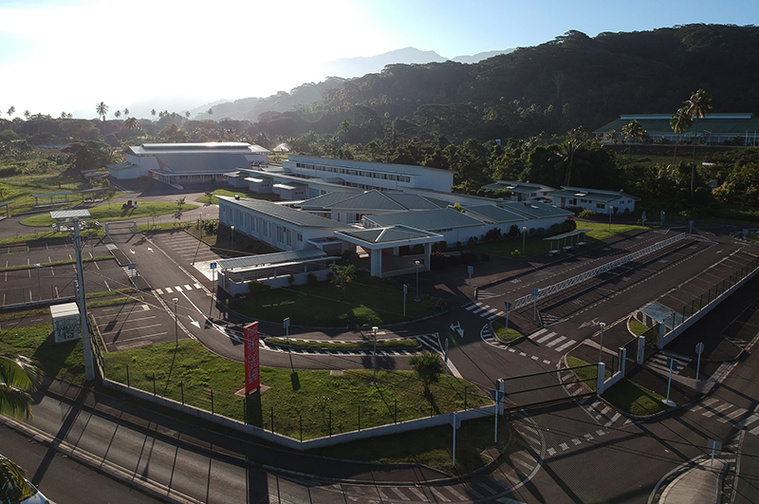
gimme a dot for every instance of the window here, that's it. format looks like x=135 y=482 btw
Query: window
x=600 y=206
x=300 y=237
x=280 y=234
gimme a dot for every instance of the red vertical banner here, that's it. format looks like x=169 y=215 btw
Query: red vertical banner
x=252 y=363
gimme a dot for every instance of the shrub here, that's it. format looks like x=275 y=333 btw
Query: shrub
x=587 y=214
x=437 y=261
x=290 y=279
x=516 y=254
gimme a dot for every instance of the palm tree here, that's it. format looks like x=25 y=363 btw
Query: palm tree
x=632 y=131
x=13 y=483
x=101 y=109
x=187 y=114
x=680 y=122
x=117 y=114
x=11 y=110
x=126 y=112
x=428 y=368
x=27 y=114
x=209 y=111
x=696 y=107
x=153 y=113
x=130 y=124
x=18 y=376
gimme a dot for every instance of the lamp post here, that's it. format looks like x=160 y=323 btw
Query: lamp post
x=611 y=211
x=38 y=266
x=601 y=350
x=176 y=323
x=232 y=245
x=405 y=291
x=524 y=236
x=374 y=359
x=417 y=279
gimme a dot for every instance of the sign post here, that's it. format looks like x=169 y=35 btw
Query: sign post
x=508 y=307
x=455 y=423
x=470 y=270
x=252 y=361
x=535 y=293
x=405 y=291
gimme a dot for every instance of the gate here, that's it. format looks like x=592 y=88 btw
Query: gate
x=547 y=387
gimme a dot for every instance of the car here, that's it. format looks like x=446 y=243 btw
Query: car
x=25 y=491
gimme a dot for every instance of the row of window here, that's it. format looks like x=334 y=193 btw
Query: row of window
x=357 y=173
x=263 y=227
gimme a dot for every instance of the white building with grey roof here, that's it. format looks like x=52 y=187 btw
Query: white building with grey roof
x=595 y=200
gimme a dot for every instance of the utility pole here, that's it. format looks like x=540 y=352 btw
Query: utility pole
x=89 y=364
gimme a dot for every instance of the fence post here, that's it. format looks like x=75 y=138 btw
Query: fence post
x=600 y=378
x=128 y=386
x=395 y=416
x=272 y=419
x=330 y=424
x=154 y=391
x=359 y=418
x=465 y=402
x=212 y=411
x=181 y=389
x=641 y=350
x=245 y=411
x=300 y=421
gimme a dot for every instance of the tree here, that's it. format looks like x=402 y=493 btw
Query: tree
x=180 y=208
x=344 y=274
x=27 y=114
x=427 y=367
x=11 y=111
x=681 y=122
x=696 y=107
x=13 y=484
x=130 y=124
x=117 y=114
x=153 y=113
x=89 y=155
x=209 y=111
x=101 y=109
x=126 y=112
x=187 y=114
x=632 y=131
x=18 y=376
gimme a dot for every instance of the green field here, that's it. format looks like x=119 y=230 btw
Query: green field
x=368 y=301
x=116 y=211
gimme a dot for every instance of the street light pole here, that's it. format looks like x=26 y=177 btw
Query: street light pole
x=176 y=323
x=39 y=285
x=417 y=280
x=524 y=236
x=601 y=350
x=611 y=211
x=374 y=359
x=232 y=245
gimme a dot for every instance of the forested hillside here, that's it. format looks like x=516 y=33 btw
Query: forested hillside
x=572 y=81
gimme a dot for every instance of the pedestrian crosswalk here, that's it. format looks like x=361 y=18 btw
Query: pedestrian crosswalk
x=430 y=342
x=726 y=412
x=552 y=340
x=485 y=311
x=660 y=362
x=604 y=414
x=178 y=288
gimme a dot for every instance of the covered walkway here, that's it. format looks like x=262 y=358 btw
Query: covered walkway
x=566 y=241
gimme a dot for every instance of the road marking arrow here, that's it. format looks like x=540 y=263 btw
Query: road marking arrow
x=150 y=249
x=194 y=322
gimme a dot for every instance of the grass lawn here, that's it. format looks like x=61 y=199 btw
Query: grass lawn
x=432 y=447
x=535 y=245
x=321 y=401
x=366 y=301
x=588 y=374
x=114 y=211
x=18 y=189
x=503 y=335
x=636 y=327
x=63 y=361
x=631 y=397
x=625 y=395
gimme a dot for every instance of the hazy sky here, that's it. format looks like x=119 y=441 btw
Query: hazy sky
x=68 y=55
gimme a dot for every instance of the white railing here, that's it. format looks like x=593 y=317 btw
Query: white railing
x=587 y=275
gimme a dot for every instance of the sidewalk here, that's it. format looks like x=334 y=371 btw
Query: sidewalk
x=700 y=484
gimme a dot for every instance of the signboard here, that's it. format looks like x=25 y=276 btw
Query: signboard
x=454 y=420
x=252 y=360
x=699 y=348
x=212 y=265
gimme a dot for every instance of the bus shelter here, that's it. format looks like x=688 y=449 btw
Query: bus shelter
x=566 y=241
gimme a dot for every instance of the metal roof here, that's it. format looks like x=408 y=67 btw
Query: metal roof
x=373 y=200
x=69 y=214
x=535 y=209
x=271 y=259
x=195 y=148
x=591 y=194
x=390 y=235
x=284 y=213
x=657 y=125
x=494 y=213
x=43 y=195
x=427 y=220
x=568 y=234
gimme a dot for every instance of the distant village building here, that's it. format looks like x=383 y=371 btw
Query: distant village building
x=741 y=128
x=594 y=200
x=520 y=191
x=187 y=163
